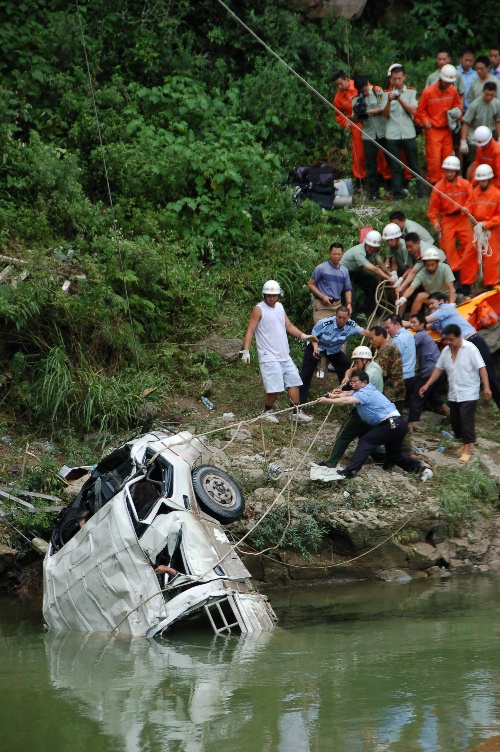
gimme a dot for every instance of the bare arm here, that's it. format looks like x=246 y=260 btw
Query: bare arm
x=313 y=288
x=255 y=317
x=430 y=381
x=378 y=270
x=337 y=399
x=464 y=131
x=483 y=375
x=295 y=332
x=497 y=128
x=452 y=293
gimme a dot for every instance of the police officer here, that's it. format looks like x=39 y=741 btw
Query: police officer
x=387 y=427
x=367 y=109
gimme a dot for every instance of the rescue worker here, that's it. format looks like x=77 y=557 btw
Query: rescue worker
x=443 y=58
x=367 y=109
x=432 y=114
x=343 y=100
x=488 y=152
x=409 y=225
x=485 y=110
x=365 y=265
x=270 y=324
x=414 y=251
x=353 y=427
x=484 y=207
x=387 y=427
x=443 y=313
x=447 y=217
x=400 y=135
x=397 y=255
x=405 y=342
x=427 y=357
x=434 y=277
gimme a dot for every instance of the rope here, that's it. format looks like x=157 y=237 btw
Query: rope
x=332 y=106
x=110 y=197
x=482 y=242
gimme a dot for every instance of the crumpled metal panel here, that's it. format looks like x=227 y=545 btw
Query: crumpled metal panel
x=101 y=580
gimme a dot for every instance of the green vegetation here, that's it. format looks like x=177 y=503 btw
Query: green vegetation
x=462 y=494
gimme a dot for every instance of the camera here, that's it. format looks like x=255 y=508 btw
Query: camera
x=396 y=93
x=360 y=109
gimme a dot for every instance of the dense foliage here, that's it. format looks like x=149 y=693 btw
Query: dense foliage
x=199 y=127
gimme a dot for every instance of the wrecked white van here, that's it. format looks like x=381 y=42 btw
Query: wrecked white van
x=146 y=505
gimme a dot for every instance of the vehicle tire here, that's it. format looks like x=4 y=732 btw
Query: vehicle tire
x=217 y=493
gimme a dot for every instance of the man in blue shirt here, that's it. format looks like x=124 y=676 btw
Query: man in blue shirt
x=427 y=355
x=388 y=427
x=405 y=342
x=467 y=71
x=442 y=314
x=332 y=333
x=328 y=283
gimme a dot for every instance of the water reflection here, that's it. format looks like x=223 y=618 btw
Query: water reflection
x=366 y=668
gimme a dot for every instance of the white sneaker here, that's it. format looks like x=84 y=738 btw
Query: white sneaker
x=269 y=416
x=426 y=474
x=331 y=367
x=320 y=374
x=300 y=416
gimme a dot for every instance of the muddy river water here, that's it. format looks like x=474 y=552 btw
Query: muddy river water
x=366 y=667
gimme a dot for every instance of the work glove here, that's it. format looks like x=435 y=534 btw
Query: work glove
x=398 y=282
x=464 y=147
x=309 y=337
x=401 y=301
x=245 y=356
x=394 y=275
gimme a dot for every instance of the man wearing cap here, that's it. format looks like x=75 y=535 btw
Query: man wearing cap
x=432 y=113
x=270 y=324
x=400 y=133
x=397 y=255
x=488 y=152
x=354 y=427
x=443 y=313
x=343 y=100
x=483 y=206
x=485 y=110
x=435 y=276
x=443 y=58
x=365 y=264
x=329 y=338
x=367 y=109
x=446 y=214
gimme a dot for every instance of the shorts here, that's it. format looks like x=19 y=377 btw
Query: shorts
x=278 y=375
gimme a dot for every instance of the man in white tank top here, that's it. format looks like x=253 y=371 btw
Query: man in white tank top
x=270 y=324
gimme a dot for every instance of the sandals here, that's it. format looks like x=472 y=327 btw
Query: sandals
x=464 y=458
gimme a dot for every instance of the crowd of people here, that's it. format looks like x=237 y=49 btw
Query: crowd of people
x=403 y=369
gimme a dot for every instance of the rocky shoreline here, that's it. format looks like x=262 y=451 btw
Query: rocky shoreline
x=381 y=525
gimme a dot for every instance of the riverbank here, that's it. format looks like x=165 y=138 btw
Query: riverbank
x=381 y=525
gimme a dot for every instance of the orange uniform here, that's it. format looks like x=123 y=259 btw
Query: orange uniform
x=455 y=225
x=490 y=155
x=432 y=108
x=343 y=102
x=484 y=207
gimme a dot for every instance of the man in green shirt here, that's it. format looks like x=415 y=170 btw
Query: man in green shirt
x=365 y=265
x=367 y=109
x=408 y=225
x=436 y=276
x=400 y=133
x=485 y=110
x=444 y=57
x=481 y=66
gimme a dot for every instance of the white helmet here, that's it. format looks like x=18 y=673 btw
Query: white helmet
x=448 y=73
x=271 y=288
x=451 y=163
x=394 y=65
x=483 y=172
x=374 y=239
x=431 y=254
x=482 y=135
x=362 y=352
x=391 y=231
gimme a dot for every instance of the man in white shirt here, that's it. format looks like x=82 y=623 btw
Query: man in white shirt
x=466 y=371
x=270 y=324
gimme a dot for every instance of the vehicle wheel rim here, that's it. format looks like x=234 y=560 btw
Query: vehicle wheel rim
x=219 y=490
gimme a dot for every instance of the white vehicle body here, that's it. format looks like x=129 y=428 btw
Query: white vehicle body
x=101 y=577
